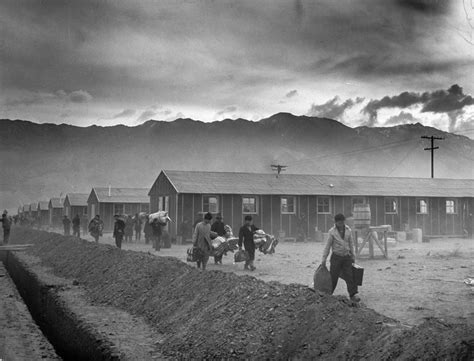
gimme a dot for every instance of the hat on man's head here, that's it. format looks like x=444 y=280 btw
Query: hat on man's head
x=339 y=217
x=208 y=216
x=248 y=218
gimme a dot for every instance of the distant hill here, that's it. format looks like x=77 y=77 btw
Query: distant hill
x=42 y=160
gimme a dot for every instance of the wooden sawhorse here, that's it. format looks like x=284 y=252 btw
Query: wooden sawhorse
x=370 y=238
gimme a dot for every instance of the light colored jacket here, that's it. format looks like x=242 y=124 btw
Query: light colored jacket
x=202 y=237
x=341 y=247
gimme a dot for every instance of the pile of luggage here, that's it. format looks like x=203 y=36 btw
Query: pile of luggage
x=265 y=243
x=222 y=245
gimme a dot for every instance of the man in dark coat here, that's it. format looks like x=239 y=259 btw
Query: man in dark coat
x=76 y=226
x=246 y=233
x=218 y=227
x=119 y=230
x=156 y=234
x=137 y=223
x=148 y=231
x=129 y=225
x=6 y=224
x=67 y=226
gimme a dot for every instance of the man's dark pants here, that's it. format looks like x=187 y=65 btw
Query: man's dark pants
x=76 y=231
x=250 y=248
x=118 y=240
x=342 y=267
x=6 y=235
x=157 y=242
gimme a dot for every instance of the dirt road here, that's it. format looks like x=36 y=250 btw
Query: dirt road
x=418 y=281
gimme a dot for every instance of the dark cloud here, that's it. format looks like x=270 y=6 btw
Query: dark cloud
x=333 y=108
x=292 y=93
x=401 y=118
x=124 y=113
x=445 y=101
x=226 y=110
x=451 y=101
x=426 y=6
x=200 y=54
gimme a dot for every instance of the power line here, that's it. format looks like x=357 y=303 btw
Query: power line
x=362 y=150
x=410 y=150
x=432 y=149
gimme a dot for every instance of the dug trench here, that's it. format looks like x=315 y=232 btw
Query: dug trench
x=97 y=302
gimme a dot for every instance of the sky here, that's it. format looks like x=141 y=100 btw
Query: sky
x=365 y=62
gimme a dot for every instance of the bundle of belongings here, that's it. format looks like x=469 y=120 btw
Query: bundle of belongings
x=265 y=243
x=161 y=216
x=193 y=254
x=222 y=245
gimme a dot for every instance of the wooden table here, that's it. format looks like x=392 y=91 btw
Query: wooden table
x=372 y=237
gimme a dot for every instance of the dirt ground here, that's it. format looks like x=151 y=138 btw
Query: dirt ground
x=416 y=282
x=221 y=315
x=20 y=337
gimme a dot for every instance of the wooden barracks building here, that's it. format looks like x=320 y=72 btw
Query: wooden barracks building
x=283 y=205
x=109 y=201
x=75 y=203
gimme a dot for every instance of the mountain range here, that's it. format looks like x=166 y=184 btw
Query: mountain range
x=40 y=161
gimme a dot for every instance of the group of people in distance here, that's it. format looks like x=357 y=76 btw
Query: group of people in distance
x=152 y=230
x=124 y=228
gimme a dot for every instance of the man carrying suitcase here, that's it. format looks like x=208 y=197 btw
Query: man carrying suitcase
x=342 y=257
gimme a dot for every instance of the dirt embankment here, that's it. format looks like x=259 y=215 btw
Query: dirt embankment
x=220 y=315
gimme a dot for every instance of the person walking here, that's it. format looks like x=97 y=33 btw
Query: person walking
x=119 y=230
x=156 y=234
x=96 y=226
x=84 y=223
x=342 y=257
x=129 y=225
x=6 y=225
x=67 y=226
x=218 y=227
x=137 y=223
x=202 y=240
x=246 y=233
x=147 y=231
x=76 y=226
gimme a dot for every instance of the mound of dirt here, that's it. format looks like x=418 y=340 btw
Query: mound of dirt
x=221 y=315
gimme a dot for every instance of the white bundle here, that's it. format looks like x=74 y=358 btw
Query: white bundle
x=161 y=216
x=259 y=237
x=216 y=242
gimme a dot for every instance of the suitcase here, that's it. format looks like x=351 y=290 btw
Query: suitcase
x=357 y=274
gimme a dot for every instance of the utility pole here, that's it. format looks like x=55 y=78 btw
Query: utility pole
x=279 y=168
x=432 y=149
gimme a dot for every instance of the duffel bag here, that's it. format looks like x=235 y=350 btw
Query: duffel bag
x=241 y=256
x=322 y=280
